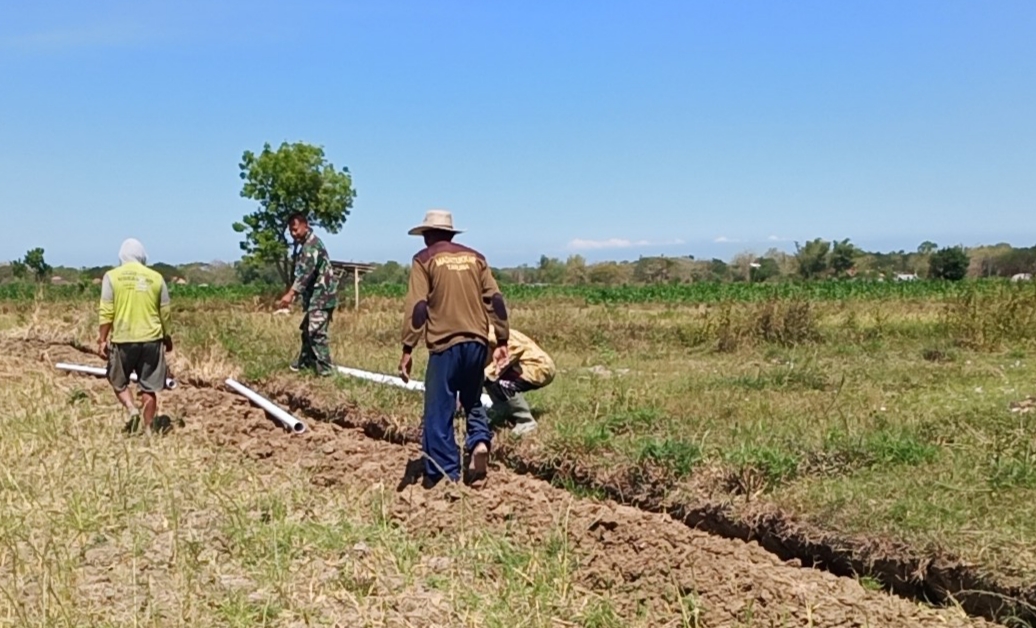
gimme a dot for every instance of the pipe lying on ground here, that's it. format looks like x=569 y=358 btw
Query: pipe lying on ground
x=275 y=411
x=395 y=381
x=170 y=383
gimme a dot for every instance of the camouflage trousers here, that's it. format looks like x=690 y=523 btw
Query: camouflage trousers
x=316 y=352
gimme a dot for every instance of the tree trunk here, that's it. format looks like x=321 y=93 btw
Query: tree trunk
x=285 y=267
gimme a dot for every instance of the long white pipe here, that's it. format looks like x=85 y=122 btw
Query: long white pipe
x=170 y=383
x=276 y=411
x=396 y=381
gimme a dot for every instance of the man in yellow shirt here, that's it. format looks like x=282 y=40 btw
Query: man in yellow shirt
x=135 y=330
x=528 y=368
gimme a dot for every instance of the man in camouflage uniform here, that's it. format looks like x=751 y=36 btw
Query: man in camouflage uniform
x=315 y=280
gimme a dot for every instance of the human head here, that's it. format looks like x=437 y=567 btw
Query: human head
x=298 y=226
x=432 y=236
x=437 y=227
x=132 y=251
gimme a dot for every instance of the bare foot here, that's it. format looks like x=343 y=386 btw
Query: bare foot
x=479 y=461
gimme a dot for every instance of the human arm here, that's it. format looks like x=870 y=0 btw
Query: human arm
x=305 y=273
x=497 y=308
x=106 y=316
x=415 y=314
x=165 y=317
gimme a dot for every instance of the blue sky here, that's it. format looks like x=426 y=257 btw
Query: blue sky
x=609 y=129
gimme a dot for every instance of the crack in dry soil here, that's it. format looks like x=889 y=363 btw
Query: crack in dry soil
x=636 y=558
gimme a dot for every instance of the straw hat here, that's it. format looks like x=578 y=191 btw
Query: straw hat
x=438 y=219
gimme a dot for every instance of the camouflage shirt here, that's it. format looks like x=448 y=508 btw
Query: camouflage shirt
x=315 y=279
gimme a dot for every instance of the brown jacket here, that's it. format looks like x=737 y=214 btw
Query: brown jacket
x=452 y=298
x=528 y=361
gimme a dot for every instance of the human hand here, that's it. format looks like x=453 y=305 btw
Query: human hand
x=501 y=356
x=168 y=343
x=286 y=300
x=404 y=367
x=102 y=348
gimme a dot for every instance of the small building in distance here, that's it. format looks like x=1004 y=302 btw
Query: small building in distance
x=355 y=269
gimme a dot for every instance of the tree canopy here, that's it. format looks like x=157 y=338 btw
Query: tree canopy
x=949 y=263
x=35 y=262
x=294 y=178
x=812 y=257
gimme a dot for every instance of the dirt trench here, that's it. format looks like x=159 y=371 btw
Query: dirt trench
x=630 y=556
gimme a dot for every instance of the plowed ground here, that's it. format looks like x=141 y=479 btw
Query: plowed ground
x=652 y=570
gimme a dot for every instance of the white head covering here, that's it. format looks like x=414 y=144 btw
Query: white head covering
x=132 y=251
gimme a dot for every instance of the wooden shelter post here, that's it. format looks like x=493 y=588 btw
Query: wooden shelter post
x=357 y=269
x=356 y=288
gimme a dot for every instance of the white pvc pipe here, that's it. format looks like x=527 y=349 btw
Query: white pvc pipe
x=170 y=383
x=276 y=411
x=396 y=381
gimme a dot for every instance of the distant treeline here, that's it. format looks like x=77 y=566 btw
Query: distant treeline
x=817 y=259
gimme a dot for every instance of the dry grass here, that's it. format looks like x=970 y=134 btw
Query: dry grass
x=888 y=419
x=104 y=530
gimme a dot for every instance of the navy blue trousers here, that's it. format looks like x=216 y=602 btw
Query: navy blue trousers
x=457 y=370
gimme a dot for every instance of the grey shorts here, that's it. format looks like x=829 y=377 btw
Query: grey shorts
x=146 y=359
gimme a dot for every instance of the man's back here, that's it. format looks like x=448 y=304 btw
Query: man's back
x=450 y=288
x=134 y=299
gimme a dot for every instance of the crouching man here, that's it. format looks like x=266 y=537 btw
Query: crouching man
x=528 y=368
x=134 y=330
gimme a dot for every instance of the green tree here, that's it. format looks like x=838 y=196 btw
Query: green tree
x=34 y=261
x=718 y=269
x=95 y=272
x=294 y=178
x=610 y=273
x=502 y=277
x=653 y=269
x=843 y=257
x=812 y=258
x=168 y=271
x=18 y=269
x=551 y=270
x=253 y=272
x=763 y=269
x=575 y=270
x=927 y=247
x=949 y=263
x=389 y=272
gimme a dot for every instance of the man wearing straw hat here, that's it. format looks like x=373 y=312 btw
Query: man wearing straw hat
x=452 y=299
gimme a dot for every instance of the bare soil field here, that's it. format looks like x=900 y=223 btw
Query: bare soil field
x=622 y=566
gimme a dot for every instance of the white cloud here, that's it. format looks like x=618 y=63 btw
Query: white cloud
x=723 y=239
x=616 y=243
x=774 y=238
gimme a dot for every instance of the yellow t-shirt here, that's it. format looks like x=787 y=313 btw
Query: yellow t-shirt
x=135 y=300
